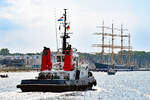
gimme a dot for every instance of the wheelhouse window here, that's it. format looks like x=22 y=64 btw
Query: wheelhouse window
x=58 y=58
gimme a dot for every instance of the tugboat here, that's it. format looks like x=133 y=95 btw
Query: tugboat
x=66 y=74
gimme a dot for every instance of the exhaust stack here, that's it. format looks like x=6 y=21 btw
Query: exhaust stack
x=46 y=60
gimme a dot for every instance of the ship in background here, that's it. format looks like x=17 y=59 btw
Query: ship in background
x=66 y=74
x=111 y=33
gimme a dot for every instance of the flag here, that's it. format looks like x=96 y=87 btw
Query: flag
x=60 y=19
x=68 y=28
x=59 y=27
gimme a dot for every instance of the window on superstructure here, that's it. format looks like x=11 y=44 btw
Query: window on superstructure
x=58 y=58
x=63 y=58
x=74 y=58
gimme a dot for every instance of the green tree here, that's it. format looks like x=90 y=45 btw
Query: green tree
x=4 y=51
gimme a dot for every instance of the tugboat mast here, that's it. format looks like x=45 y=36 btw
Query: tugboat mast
x=65 y=36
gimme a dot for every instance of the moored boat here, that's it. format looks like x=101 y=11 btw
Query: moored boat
x=4 y=76
x=111 y=71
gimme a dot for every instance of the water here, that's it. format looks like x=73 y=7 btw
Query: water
x=122 y=86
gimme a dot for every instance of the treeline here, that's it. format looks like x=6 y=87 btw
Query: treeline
x=5 y=52
x=137 y=58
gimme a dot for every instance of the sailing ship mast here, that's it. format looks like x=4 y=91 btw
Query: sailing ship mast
x=112 y=45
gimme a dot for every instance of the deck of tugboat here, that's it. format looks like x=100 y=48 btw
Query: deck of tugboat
x=58 y=81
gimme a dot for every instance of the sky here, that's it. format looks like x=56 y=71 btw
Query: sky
x=29 y=25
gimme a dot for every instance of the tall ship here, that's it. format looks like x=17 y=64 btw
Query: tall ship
x=108 y=62
x=66 y=74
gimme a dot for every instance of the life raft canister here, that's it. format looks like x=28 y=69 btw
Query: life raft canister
x=46 y=60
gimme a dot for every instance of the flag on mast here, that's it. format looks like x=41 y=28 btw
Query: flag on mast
x=60 y=19
x=68 y=28
x=59 y=27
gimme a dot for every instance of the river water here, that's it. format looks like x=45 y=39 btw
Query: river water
x=122 y=86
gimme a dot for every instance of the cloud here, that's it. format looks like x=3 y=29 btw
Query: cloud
x=35 y=20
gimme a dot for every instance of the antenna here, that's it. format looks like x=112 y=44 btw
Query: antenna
x=56 y=30
x=65 y=36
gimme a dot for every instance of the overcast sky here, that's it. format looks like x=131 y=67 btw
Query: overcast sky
x=28 y=25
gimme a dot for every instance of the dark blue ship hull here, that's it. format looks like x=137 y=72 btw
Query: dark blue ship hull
x=106 y=67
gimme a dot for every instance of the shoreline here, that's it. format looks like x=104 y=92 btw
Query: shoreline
x=18 y=70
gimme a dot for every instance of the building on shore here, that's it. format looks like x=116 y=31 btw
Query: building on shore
x=30 y=61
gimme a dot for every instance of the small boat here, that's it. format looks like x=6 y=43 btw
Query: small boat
x=66 y=74
x=111 y=71
x=4 y=76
